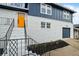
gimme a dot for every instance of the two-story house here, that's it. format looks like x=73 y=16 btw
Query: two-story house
x=44 y=22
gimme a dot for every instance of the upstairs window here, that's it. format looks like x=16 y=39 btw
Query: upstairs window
x=49 y=10
x=43 y=8
x=66 y=15
x=46 y=9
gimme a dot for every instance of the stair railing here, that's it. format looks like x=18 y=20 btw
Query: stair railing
x=8 y=34
x=6 y=37
x=28 y=40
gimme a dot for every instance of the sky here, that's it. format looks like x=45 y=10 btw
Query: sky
x=75 y=7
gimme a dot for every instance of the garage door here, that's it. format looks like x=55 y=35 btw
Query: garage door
x=66 y=33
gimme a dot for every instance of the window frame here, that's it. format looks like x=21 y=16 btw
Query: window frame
x=48 y=25
x=46 y=7
x=42 y=6
x=49 y=8
x=42 y=24
x=67 y=15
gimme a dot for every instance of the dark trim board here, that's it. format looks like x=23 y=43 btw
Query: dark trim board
x=13 y=8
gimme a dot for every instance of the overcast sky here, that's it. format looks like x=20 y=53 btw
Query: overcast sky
x=75 y=7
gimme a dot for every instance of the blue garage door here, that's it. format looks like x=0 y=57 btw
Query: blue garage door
x=66 y=32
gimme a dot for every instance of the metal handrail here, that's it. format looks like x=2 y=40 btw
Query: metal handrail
x=8 y=29
x=10 y=26
x=32 y=39
x=27 y=37
x=7 y=35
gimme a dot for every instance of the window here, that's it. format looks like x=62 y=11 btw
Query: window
x=42 y=24
x=43 y=8
x=48 y=25
x=66 y=15
x=49 y=10
x=46 y=9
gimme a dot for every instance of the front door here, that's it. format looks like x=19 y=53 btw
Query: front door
x=21 y=20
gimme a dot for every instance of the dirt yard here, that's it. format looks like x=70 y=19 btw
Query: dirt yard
x=70 y=50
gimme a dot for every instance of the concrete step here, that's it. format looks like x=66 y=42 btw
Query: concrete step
x=19 y=31
x=17 y=37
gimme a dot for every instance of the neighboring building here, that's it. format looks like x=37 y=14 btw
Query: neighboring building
x=76 y=31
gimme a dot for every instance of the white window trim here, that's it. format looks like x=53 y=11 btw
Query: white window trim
x=49 y=9
x=67 y=15
x=41 y=8
x=46 y=8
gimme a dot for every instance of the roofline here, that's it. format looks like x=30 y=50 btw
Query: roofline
x=25 y=9
x=63 y=7
x=14 y=8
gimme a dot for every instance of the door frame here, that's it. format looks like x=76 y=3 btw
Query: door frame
x=63 y=32
x=18 y=19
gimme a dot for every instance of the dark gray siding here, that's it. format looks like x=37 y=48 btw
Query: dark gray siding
x=57 y=14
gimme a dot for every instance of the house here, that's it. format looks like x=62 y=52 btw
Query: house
x=44 y=22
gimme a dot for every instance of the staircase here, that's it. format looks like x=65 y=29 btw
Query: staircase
x=17 y=33
x=15 y=41
x=6 y=28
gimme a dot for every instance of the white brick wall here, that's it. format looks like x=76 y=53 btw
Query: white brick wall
x=44 y=34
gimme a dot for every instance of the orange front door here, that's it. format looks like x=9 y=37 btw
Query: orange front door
x=21 y=20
